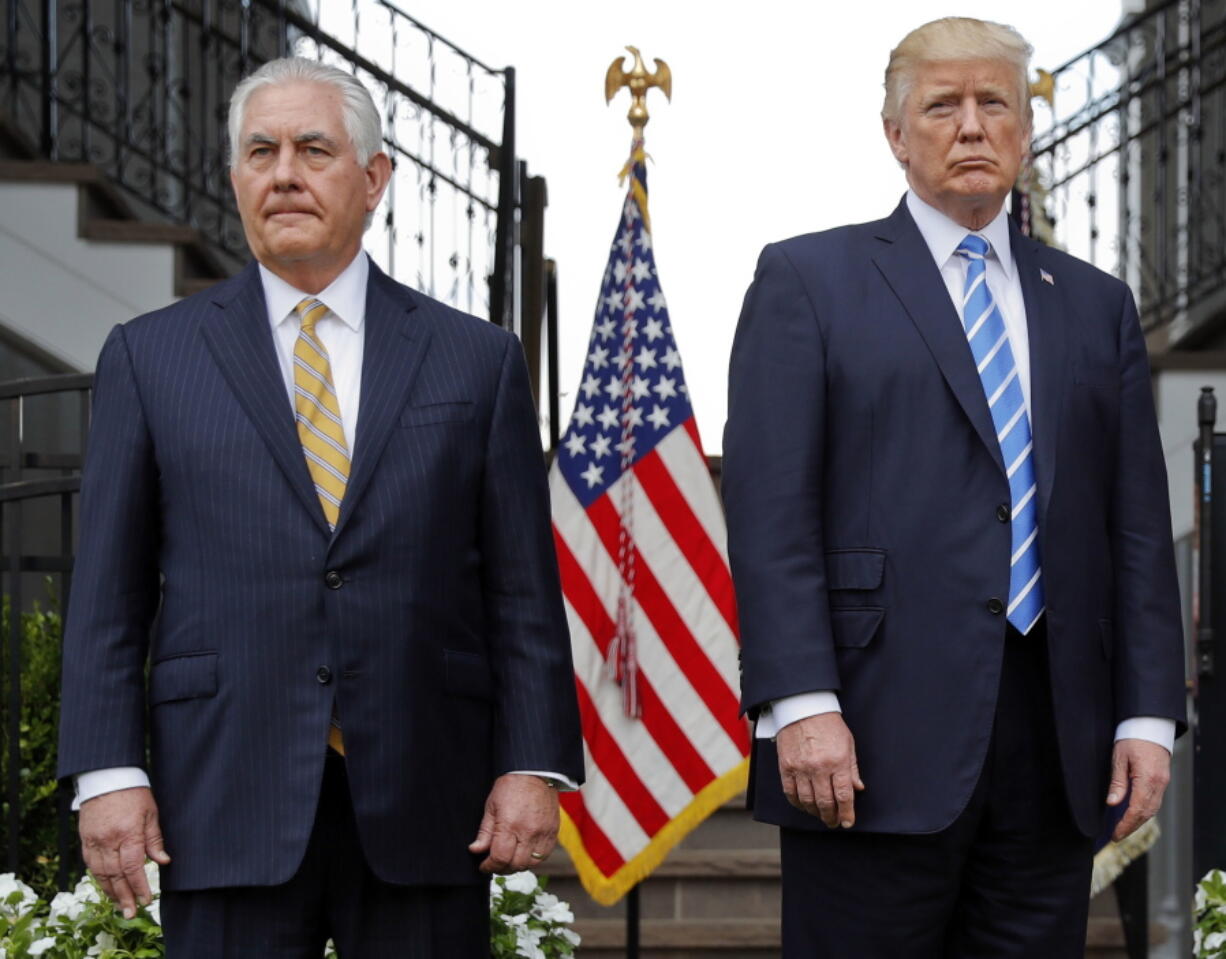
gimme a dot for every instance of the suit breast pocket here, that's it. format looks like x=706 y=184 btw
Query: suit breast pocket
x=460 y=411
x=1098 y=376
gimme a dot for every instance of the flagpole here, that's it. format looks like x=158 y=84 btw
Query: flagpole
x=639 y=81
x=632 y=922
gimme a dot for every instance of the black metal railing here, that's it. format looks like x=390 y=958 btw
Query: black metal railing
x=140 y=88
x=1133 y=155
x=37 y=536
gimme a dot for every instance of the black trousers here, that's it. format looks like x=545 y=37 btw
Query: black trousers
x=1009 y=878
x=334 y=895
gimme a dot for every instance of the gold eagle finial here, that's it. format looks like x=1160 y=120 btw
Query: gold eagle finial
x=1045 y=87
x=639 y=81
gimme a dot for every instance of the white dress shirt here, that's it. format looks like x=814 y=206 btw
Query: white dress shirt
x=943 y=237
x=343 y=334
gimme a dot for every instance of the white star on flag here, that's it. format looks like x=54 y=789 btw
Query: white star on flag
x=593 y=474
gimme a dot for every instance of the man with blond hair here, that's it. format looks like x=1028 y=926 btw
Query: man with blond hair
x=316 y=570
x=950 y=538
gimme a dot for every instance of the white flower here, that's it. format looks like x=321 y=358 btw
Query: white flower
x=9 y=886
x=569 y=935
x=1202 y=898
x=87 y=891
x=528 y=942
x=40 y=946
x=1214 y=941
x=155 y=911
x=524 y=882
x=104 y=941
x=153 y=877
x=1198 y=936
x=552 y=909
x=66 y=907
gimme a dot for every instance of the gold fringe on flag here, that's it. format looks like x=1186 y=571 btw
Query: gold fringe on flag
x=607 y=890
x=1115 y=857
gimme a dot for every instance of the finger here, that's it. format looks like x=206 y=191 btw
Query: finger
x=107 y=871
x=1129 y=824
x=132 y=862
x=790 y=790
x=122 y=894
x=1118 y=787
x=502 y=853
x=855 y=777
x=845 y=799
x=806 y=799
x=155 y=847
x=485 y=835
x=827 y=808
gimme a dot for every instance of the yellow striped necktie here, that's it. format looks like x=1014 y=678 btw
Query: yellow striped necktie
x=319 y=428
x=319 y=414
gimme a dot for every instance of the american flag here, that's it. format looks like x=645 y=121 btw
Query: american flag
x=642 y=549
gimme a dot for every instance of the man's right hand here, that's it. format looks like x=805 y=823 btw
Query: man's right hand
x=817 y=764
x=118 y=830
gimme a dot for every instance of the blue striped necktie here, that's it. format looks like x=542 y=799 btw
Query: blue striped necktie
x=989 y=341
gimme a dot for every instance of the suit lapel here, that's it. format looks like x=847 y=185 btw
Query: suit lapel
x=240 y=339
x=391 y=360
x=1045 y=324
x=906 y=263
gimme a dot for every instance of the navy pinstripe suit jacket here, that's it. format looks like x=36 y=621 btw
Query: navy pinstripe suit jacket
x=202 y=610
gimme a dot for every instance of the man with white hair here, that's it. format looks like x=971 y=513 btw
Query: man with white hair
x=950 y=537
x=316 y=570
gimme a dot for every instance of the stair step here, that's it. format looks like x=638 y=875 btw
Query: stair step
x=136 y=231
x=727 y=938
x=693 y=864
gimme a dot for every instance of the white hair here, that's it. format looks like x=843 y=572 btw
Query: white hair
x=361 y=118
x=955 y=38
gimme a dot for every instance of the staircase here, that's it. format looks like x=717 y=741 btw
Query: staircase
x=77 y=259
x=717 y=897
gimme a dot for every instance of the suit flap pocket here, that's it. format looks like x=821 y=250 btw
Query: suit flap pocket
x=457 y=412
x=855 y=568
x=856 y=627
x=189 y=676
x=467 y=674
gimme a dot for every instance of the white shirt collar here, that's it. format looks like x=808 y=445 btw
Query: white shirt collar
x=943 y=235
x=345 y=296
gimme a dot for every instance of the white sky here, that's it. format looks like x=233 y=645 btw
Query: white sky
x=773 y=130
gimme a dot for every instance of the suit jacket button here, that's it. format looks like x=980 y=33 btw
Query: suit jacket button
x=333 y=579
x=995 y=606
x=324 y=675
x=1003 y=512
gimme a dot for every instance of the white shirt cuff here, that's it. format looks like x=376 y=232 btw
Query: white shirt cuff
x=98 y=782
x=1153 y=729
x=791 y=709
x=562 y=784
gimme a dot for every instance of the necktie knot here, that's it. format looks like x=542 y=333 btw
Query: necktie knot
x=974 y=247
x=311 y=311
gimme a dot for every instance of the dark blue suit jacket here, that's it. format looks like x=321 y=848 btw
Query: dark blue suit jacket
x=862 y=479
x=205 y=561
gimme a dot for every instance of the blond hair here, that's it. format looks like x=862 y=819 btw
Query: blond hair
x=955 y=38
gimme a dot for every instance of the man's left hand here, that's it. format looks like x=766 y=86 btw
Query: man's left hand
x=520 y=825
x=1146 y=768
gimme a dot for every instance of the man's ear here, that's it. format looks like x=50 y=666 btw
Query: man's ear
x=896 y=138
x=378 y=173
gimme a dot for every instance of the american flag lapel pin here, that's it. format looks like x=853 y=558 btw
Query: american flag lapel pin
x=1046 y=277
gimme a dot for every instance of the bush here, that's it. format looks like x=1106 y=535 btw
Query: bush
x=41 y=631
x=525 y=921
x=1209 y=916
